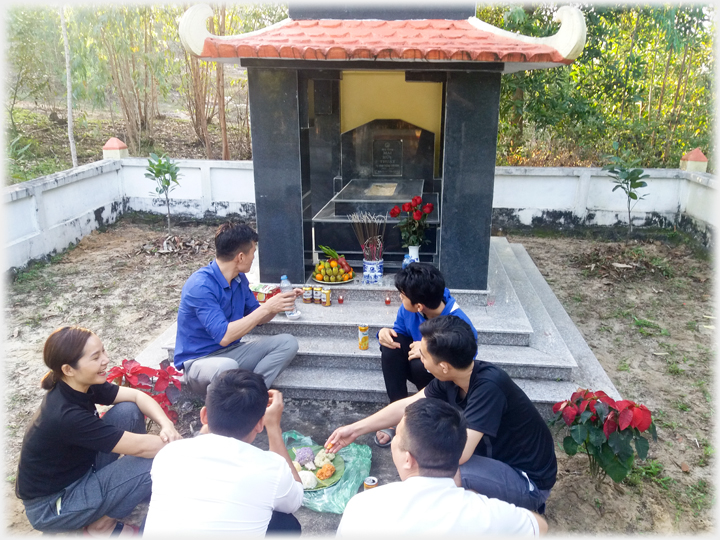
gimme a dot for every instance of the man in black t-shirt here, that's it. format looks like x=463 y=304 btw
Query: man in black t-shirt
x=509 y=454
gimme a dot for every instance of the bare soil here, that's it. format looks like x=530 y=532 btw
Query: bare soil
x=649 y=321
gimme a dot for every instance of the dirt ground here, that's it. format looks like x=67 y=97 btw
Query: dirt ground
x=649 y=321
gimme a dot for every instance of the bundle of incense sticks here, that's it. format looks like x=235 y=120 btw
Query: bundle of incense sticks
x=369 y=230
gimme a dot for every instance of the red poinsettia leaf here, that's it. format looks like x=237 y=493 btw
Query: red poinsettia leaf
x=607 y=400
x=172 y=394
x=625 y=418
x=593 y=418
x=559 y=406
x=591 y=405
x=161 y=384
x=577 y=395
x=172 y=371
x=143 y=378
x=176 y=383
x=642 y=418
x=161 y=399
x=147 y=371
x=569 y=414
x=172 y=415
x=115 y=373
x=623 y=404
x=129 y=364
x=583 y=405
x=131 y=379
x=610 y=424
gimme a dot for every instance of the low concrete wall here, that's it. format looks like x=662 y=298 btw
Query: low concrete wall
x=46 y=215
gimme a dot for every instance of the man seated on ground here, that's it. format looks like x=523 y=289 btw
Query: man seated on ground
x=217 y=309
x=218 y=482
x=509 y=453
x=426 y=451
x=424 y=296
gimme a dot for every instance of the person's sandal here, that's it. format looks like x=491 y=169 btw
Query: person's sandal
x=390 y=432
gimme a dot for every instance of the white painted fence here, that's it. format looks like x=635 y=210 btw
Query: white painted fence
x=46 y=215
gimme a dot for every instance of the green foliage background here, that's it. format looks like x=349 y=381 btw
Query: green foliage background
x=645 y=78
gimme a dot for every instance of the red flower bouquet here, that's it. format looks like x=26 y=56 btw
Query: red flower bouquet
x=412 y=227
x=605 y=430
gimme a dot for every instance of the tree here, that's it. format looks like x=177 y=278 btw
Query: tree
x=165 y=173
x=73 y=152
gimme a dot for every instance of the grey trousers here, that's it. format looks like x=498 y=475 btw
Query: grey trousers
x=114 y=487
x=265 y=355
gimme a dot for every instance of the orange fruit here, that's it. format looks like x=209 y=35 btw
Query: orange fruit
x=346 y=277
x=319 y=277
x=333 y=264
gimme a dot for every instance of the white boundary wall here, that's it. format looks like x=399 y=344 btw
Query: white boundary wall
x=46 y=215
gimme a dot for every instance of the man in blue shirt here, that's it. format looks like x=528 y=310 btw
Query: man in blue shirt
x=217 y=308
x=424 y=297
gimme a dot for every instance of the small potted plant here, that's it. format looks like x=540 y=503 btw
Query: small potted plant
x=412 y=227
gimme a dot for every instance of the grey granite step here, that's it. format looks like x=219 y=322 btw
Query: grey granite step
x=363 y=385
x=524 y=362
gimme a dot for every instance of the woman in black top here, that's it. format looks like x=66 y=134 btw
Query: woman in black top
x=69 y=475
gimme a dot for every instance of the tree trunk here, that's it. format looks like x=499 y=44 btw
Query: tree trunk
x=662 y=95
x=220 y=69
x=627 y=67
x=73 y=152
x=167 y=205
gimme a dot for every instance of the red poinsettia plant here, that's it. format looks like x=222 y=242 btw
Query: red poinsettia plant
x=605 y=430
x=412 y=227
x=161 y=384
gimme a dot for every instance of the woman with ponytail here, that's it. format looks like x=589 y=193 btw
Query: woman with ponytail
x=69 y=475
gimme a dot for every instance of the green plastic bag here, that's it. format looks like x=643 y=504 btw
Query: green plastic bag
x=334 y=498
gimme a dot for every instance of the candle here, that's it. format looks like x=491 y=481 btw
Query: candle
x=387 y=300
x=340 y=299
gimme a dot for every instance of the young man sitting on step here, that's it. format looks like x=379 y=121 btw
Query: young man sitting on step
x=509 y=453
x=424 y=297
x=217 y=309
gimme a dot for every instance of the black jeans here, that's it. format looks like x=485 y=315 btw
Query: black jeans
x=281 y=523
x=397 y=370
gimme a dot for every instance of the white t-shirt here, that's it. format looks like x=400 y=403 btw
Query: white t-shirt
x=432 y=506
x=212 y=483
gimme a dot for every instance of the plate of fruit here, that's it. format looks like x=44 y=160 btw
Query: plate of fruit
x=334 y=270
x=318 y=468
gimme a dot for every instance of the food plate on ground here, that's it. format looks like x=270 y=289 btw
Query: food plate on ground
x=338 y=464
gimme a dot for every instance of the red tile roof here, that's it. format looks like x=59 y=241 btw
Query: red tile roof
x=694 y=155
x=335 y=39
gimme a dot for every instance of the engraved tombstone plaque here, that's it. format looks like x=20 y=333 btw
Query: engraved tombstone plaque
x=387 y=158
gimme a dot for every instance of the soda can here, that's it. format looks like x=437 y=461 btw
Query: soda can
x=363 y=337
x=317 y=295
x=307 y=295
x=370 y=482
x=326 y=298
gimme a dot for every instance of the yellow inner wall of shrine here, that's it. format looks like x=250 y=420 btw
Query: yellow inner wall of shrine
x=371 y=95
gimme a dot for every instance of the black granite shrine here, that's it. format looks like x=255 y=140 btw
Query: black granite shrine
x=302 y=161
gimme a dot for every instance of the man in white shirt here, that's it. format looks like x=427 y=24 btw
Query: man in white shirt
x=426 y=450
x=218 y=482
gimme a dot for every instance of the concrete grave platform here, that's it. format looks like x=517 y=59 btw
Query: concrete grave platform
x=521 y=326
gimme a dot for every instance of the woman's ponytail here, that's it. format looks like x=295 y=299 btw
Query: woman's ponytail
x=48 y=381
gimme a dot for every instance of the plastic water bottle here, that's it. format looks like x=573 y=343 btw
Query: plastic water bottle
x=406 y=260
x=286 y=286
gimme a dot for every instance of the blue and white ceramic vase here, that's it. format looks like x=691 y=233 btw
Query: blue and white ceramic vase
x=372 y=272
x=414 y=252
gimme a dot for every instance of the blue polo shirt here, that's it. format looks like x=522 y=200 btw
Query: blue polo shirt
x=207 y=305
x=408 y=323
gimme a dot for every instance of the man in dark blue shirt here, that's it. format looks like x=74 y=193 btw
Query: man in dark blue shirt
x=509 y=453
x=217 y=309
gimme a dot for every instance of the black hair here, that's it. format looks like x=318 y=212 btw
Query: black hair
x=235 y=401
x=435 y=434
x=64 y=346
x=450 y=339
x=422 y=283
x=232 y=238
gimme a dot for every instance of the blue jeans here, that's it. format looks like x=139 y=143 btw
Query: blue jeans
x=113 y=488
x=499 y=480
